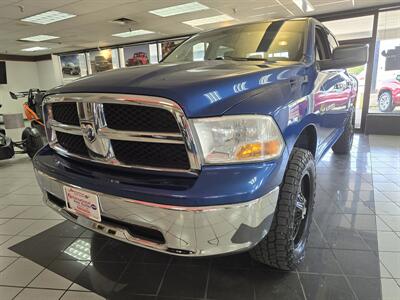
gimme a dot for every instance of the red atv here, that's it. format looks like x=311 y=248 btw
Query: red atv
x=389 y=95
x=138 y=58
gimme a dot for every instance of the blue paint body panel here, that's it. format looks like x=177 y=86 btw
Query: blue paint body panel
x=297 y=95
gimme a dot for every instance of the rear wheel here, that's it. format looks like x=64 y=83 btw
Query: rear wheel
x=284 y=245
x=345 y=142
x=385 y=102
x=32 y=141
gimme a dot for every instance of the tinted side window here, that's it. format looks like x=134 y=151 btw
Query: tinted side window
x=322 y=47
x=332 y=42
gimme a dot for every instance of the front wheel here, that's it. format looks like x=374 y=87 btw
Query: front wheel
x=385 y=102
x=284 y=245
x=32 y=141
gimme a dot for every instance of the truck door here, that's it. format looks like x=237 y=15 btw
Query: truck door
x=332 y=91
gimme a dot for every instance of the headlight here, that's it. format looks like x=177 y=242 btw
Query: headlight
x=234 y=139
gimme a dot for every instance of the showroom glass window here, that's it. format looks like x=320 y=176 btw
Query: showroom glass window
x=271 y=41
x=350 y=31
x=385 y=86
x=103 y=60
x=73 y=66
x=138 y=55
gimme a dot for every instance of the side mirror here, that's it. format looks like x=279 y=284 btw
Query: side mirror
x=13 y=96
x=346 y=56
x=398 y=77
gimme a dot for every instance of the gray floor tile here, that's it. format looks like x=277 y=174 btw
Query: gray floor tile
x=391 y=260
x=4 y=251
x=12 y=210
x=392 y=221
x=367 y=222
x=42 y=294
x=390 y=289
x=77 y=287
x=386 y=208
x=12 y=199
x=72 y=295
x=14 y=226
x=36 y=212
x=39 y=226
x=387 y=187
x=5 y=261
x=20 y=273
x=32 y=190
x=8 y=292
x=358 y=263
x=393 y=196
x=4 y=238
x=49 y=279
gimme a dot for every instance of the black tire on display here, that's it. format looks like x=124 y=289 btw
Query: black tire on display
x=284 y=245
x=385 y=103
x=345 y=142
x=32 y=141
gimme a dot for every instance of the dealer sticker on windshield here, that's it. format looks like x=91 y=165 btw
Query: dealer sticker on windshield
x=82 y=203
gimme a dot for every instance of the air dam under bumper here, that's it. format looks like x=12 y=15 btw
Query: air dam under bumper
x=186 y=231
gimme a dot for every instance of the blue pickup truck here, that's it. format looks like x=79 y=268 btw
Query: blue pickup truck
x=210 y=152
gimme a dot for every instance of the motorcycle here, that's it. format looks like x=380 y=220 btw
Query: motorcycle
x=33 y=138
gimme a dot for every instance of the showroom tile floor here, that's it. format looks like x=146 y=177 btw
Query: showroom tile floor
x=353 y=251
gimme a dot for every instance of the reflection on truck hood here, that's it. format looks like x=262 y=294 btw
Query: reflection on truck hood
x=200 y=88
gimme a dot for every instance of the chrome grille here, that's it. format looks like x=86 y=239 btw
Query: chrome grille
x=124 y=130
x=139 y=118
x=66 y=113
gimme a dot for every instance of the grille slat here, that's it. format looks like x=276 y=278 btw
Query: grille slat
x=72 y=143
x=139 y=118
x=151 y=154
x=66 y=113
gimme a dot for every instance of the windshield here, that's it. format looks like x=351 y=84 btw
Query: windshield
x=271 y=41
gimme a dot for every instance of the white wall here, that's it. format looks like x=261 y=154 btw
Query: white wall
x=21 y=76
x=47 y=75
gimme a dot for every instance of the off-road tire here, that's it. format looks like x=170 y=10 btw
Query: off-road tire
x=32 y=141
x=388 y=107
x=278 y=248
x=345 y=142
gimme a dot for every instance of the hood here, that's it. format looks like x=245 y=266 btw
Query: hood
x=206 y=88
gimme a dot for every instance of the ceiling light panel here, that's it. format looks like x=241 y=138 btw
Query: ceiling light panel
x=304 y=5
x=132 y=33
x=179 y=9
x=39 y=38
x=48 y=17
x=209 y=20
x=32 y=49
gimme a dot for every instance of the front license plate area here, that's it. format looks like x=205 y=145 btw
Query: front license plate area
x=82 y=203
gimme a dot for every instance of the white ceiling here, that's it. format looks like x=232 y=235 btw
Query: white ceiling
x=92 y=27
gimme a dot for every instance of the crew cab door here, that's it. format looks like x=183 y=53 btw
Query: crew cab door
x=332 y=91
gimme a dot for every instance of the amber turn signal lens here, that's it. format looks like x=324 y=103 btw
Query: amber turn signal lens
x=255 y=150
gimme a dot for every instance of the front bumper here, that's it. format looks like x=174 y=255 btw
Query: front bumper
x=187 y=231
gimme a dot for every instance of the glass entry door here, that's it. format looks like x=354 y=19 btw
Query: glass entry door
x=359 y=73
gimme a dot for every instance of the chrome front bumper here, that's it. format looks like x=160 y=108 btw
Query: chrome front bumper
x=186 y=231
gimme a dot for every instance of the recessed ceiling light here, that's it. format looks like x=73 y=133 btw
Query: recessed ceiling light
x=209 y=20
x=39 y=38
x=179 y=9
x=132 y=33
x=31 y=49
x=48 y=17
x=304 y=5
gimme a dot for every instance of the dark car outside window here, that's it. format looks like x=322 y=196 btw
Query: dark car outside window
x=269 y=41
